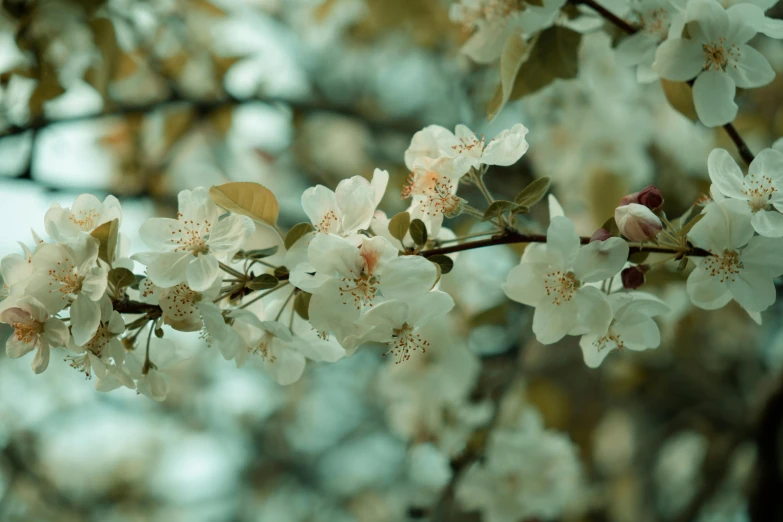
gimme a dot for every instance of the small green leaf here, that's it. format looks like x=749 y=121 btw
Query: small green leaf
x=418 y=232
x=521 y=209
x=497 y=208
x=444 y=262
x=281 y=272
x=533 y=193
x=611 y=226
x=107 y=235
x=302 y=305
x=296 y=233
x=263 y=282
x=121 y=277
x=256 y=254
x=689 y=225
x=399 y=225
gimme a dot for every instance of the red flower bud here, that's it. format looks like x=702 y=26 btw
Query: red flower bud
x=649 y=196
x=600 y=235
x=633 y=276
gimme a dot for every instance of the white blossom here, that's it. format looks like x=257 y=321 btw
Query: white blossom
x=189 y=248
x=552 y=276
x=33 y=329
x=86 y=214
x=637 y=222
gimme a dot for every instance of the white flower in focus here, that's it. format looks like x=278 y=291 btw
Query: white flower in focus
x=632 y=327
x=69 y=275
x=637 y=222
x=33 y=328
x=103 y=355
x=432 y=185
x=15 y=270
x=528 y=473
x=656 y=17
x=717 y=55
x=552 y=276
x=397 y=323
x=742 y=266
x=181 y=305
x=464 y=149
x=86 y=214
x=347 y=209
x=761 y=188
x=189 y=248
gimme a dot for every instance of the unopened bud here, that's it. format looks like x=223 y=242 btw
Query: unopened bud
x=637 y=222
x=600 y=235
x=633 y=276
x=649 y=196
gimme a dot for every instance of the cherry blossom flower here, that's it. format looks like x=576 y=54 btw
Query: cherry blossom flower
x=397 y=323
x=742 y=266
x=189 y=248
x=632 y=327
x=656 y=18
x=149 y=368
x=464 y=149
x=68 y=274
x=182 y=306
x=717 y=56
x=103 y=355
x=34 y=329
x=761 y=188
x=16 y=270
x=347 y=209
x=86 y=214
x=552 y=276
x=637 y=222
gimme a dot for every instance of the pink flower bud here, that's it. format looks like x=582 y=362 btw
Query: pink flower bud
x=633 y=276
x=637 y=222
x=600 y=235
x=649 y=196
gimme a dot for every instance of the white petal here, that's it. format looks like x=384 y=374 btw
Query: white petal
x=167 y=269
x=41 y=359
x=525 y=283
x=429 y=306
x=286 y=366
x=593 y=353
x=562 y=241
x=751 y=70
x=706 y=291
x=725 y=174
x=389 y=314
x=330 y=308
x=230 y=233
x=56 y=332
x=196 y=205
x=486 y=44
x=202 y=272
x=600 y=260
x=754 y=291
x=85 y=318
x=595 y=312
x=551 y=322
x=380 y=179
x=356 y=200
x=162 y=234
x=713 y=97
x=406 y=277
x=764 y=255
x=507 y=147
x=329 y=254
x=768 y=223
x=678 y=59
x=320 y=205
x=632 y=50
x=16 y=348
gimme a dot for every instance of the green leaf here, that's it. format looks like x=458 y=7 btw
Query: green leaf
x=107 y=235
x=554 y=56
x=248 y=199
x=302 y=305
x=256 y=254
x=444 y=262
x=121 y=277
x=533 y=193
x=281 y=272
x=497 y=208
x=611 y=225
x=296 y=233
x=418 y=232
x=399 y=225
x=521 y=209
x=263 y=282
x=689 y=225
x=515 y=53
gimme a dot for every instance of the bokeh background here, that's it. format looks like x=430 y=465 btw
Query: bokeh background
x=142 y=99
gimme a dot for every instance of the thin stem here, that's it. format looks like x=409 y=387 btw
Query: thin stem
x=469 y=236
x=277 y=317
x=261 y=296
x=147 y=363
x=229 y=270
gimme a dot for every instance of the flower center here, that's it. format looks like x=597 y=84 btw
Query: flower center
x=406 y=341
x=191 y=236
x=758 y=189
x=602 y=343
x=561 y=286
x=27 y=332
x=361 y=289
x=439 y=191
x=68 y=281
x=717 y=55
x=327 y=222
x=84 y=219
x=725 y=266
x=263 y=348
x=655 y=22
x=469 y=145
x=179 y=301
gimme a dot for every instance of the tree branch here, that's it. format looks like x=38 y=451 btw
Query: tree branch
x=742 y=147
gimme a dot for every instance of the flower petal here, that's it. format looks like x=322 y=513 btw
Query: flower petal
x=202 y=272
x=85 y=318
x=562 y=241
x=230 y=233
x=678 y=60
x=525 y=282
x=406 y=277
x=751 y=70
x=551 y=322
x=507 y=147
x=713 y=97
x=706 y=291
x=600 y=260
x=725 y=174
